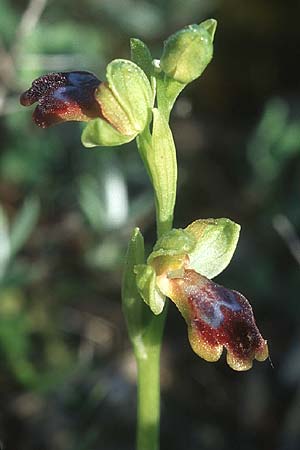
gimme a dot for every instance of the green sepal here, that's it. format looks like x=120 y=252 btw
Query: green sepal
x=216 y=242
x=146 y=284
x=131 y=89
x=98 y=132
x=187 y=52
x=141 y=56
x=132 y=303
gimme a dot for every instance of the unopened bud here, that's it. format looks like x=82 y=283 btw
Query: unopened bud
x=187 y=52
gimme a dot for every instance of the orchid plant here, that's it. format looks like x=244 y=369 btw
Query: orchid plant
x=135 y=102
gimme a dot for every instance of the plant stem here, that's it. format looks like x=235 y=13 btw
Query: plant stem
x=148 y=402
x=148 y=393
x=159 y=156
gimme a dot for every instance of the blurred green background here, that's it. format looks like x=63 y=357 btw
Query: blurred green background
x=67 y=375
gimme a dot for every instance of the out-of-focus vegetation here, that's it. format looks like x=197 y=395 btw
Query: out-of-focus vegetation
x=67 y=372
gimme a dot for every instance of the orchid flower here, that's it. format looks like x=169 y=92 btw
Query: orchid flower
x=180 y=267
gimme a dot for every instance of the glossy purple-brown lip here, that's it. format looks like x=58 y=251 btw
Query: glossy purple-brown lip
x=218 y=317
x=63 y=96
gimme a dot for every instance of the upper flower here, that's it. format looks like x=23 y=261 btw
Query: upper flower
x=117 y=109
x=63 y=96
x=180 y=267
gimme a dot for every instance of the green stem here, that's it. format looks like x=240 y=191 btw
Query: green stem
x=148 y=402
x=148 y=351
x=148 y=388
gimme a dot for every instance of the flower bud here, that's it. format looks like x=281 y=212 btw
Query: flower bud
x=187 y=52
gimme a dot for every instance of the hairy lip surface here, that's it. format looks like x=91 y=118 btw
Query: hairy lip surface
x=218 y=317
x=63 y=96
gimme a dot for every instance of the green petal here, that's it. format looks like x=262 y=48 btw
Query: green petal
x=146 y=284
x=99 y=132
x=173 y=243
x=216 y=242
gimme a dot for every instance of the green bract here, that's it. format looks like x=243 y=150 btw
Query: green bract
x=132 y=302
x=159 y=153
x=125 y=100
x=187 y=52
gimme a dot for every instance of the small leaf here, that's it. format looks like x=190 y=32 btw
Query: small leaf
x=146 y=283
x=24 y=223
x=140 y=55
x=216 y=243
x=98 y=132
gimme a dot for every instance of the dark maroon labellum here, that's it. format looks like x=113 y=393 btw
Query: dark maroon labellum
x=63 y=96
x=218 y=317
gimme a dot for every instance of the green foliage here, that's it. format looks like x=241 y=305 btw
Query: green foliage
x=133 y=306
x=140 y=55
x=159 y=154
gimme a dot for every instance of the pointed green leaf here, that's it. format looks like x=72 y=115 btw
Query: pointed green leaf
x=98 y=132
x=216 y=242
x=133 y=306
x=146 y=284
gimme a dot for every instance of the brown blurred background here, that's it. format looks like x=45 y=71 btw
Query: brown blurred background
x=67 y=375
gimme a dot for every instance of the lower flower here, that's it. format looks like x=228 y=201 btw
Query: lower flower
x=216 y=317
